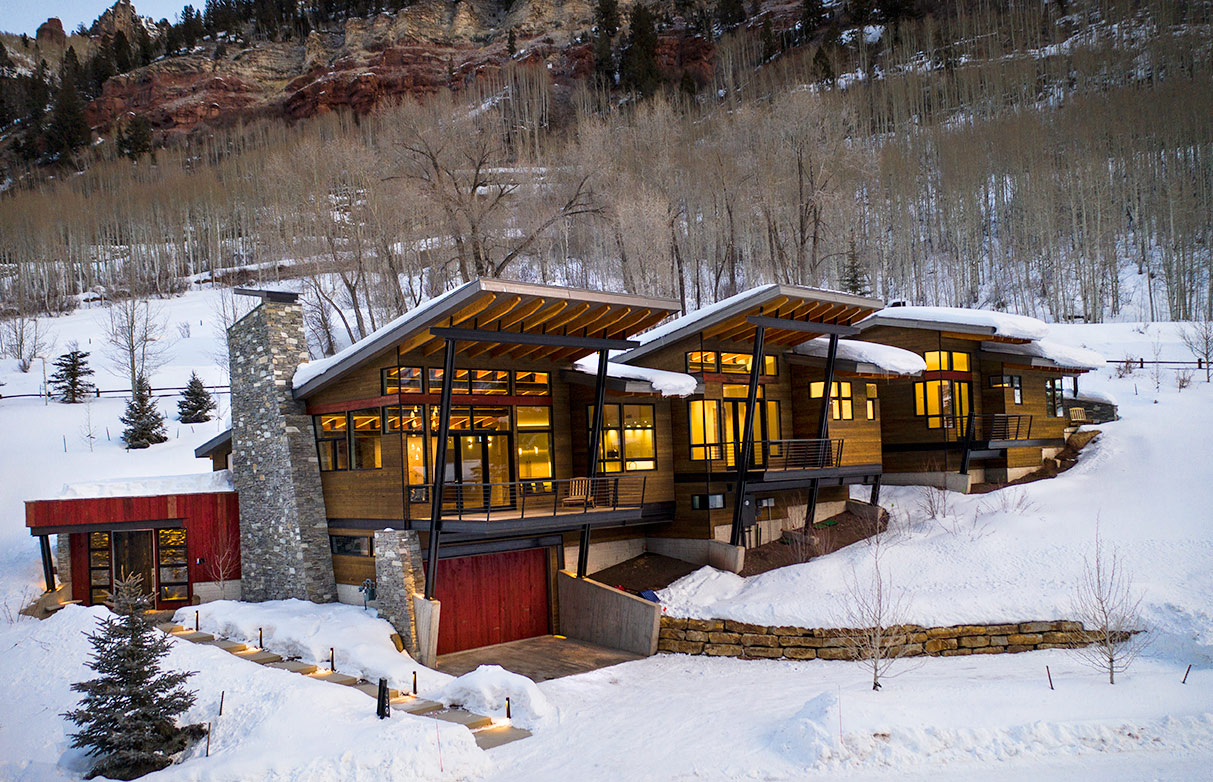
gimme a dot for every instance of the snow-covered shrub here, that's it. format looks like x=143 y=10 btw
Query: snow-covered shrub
x=485 y=689
x=810 y=736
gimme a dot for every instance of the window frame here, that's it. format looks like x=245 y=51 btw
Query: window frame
x=1013 y=382
x=1055 y=405
x=332 y=443
x=365 y=541
x=621 y=462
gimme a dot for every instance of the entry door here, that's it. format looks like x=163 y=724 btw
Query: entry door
x=492 y=598
x=134 y=553
x=734 y=425
x=478 y=461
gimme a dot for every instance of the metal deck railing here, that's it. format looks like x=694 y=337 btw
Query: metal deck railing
x=543 y=497
x=774 y=455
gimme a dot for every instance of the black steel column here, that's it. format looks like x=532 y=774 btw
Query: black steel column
x=875 y=500
x=444 y=428
x=404 y=484
x=823 y=425
x=964 y=458
x=583 y=548
x=48 y=566
x=747 y=435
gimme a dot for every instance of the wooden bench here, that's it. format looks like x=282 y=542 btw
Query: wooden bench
x=579 y=493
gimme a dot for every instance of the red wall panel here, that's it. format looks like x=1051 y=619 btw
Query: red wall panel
x=491 y=599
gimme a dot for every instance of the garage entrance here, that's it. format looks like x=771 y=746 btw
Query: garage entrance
x=492 y=599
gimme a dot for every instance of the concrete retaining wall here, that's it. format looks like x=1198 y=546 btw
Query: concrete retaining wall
x=603 y=615
x=727 y=638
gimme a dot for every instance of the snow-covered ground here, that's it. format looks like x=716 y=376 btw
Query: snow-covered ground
x=1145 y=479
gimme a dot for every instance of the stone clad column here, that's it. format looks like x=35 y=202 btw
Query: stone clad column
x=398 y=578
x=284 y=541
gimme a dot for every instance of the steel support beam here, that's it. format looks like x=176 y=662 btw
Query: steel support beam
x=968 y=448
x=583 y=548
x=823 y=424
x=747 y=436
x=875 y=499
x=48 y=563
x=809 y=327
x=444 y=428
x=523 y=338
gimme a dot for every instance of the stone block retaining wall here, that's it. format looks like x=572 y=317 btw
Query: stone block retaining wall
x=727 y=638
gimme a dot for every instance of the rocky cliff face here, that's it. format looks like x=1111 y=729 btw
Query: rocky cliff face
x=431 y=45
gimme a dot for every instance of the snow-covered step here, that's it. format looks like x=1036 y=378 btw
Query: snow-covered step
x=170 y=627
x=195 y=637
x=465 y=718
x=259 y=656
x=335 y=678
x=372 y=690
x=496 y=735
x=294 y=666
x=411 y=704
x=229 y=646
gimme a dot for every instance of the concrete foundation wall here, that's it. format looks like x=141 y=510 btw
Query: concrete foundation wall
x=603 y=615
x=208 y=591
x=606 y=553
x=717 y=553
x=952 y=481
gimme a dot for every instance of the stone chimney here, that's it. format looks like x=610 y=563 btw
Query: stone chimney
x=284 y=541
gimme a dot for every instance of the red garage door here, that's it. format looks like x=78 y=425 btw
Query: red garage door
x=491 y=599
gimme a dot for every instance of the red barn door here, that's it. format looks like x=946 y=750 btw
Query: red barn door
x=492 y=598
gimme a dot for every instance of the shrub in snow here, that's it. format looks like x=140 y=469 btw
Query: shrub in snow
x=1108 y=605
x=875 y=607
x=485 y=689
x=196 y=403
x=70 y=380
x=144 y=423
x=810 y=736
x=128 y=713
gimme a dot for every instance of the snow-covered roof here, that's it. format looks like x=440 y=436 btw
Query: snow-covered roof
x=659 y=380
x=484 y=295
x=869 y=357
x=1091 y=395
x=156 y=486
x=987 y=322
x=747 y=302
x=1049 y=353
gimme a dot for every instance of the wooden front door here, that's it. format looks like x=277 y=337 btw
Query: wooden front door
x=491 y=599
x=134 y=553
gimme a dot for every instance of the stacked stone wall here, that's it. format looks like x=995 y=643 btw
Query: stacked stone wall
x=284 y=540
x=728 y=638
x=399 y=575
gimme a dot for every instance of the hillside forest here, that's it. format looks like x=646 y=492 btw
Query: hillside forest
x=1051 y=159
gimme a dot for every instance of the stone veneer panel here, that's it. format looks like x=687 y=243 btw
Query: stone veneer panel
x=727 y=638
x=398 y=577
x=284 y=541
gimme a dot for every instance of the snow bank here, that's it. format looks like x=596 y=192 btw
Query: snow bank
x=298 y=629
x=1060 y=354
x=275 y=725
x=485 y=689
x=197 y=483
x=664 y=382
x=811 y=735
x=1004 y=324
x=893 y=360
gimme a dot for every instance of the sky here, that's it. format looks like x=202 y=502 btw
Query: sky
x=24 y=16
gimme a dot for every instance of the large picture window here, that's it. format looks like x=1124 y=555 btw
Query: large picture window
x=944 y=403
x=402 y=380
x=946 y=361
x=629 y=440
x=704 y=415
x=173 y=563
x=534 y=447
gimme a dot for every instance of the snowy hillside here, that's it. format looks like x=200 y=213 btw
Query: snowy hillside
x=1011 y=555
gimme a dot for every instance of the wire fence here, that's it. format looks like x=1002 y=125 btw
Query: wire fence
x=157 y=393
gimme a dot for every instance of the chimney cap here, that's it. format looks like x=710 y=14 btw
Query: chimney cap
x=285 y=297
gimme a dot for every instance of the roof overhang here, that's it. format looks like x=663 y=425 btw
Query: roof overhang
x=787 y=313
x=580 y=319
x=216 y=443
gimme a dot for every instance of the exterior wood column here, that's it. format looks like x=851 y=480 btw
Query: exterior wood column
x=747 y=436
x=823 y=425
x=583 y=548
x=444 y=428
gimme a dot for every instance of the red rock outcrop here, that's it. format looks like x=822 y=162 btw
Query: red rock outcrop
x=50 y=33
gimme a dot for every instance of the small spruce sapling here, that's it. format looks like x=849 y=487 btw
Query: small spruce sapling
x=196 y=402
x=128 y=715
x=144 y=422
x=70 y=380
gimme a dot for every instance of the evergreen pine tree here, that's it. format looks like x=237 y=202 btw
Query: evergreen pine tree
x=135 y=140
x=769 y=45
x=68 y=130
x=70 y=380
x=128 y=715
x=122 y=52
x=810 y=18
x=606 y=17
x=144 y=423
x=730 y=13
x=196 y=403
x=854 y=280
x=511 y=43
x=638 y=64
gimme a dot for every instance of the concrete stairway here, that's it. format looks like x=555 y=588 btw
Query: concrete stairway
x=487 y=734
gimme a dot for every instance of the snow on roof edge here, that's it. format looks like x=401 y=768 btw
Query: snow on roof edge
x=1065 y=356
x=891 y=359
x=1001 y=324
x=662 y=381
x=152 y=486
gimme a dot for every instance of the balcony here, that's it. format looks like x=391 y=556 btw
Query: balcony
x=990 y=428
x=548 y=504
x=777 y=455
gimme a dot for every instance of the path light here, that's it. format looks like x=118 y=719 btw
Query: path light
x=507 y=708
x=196 y=628
x=260 y=639
x=332 y=660
x=414 y=682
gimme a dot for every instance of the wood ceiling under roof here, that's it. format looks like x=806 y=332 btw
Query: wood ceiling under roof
x=584 y=315
x=737 y=327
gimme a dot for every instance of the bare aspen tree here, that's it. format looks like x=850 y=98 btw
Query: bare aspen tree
x=136 y=332
x=1198 y=338
x=224 y=563
x=875 y=611
x=1108 y=605
x=25 y=339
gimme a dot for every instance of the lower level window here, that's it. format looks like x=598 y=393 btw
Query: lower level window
x=707 y=501
x=99 y=567
x=352 y=545
x=173 y=564
x=1054 y=398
